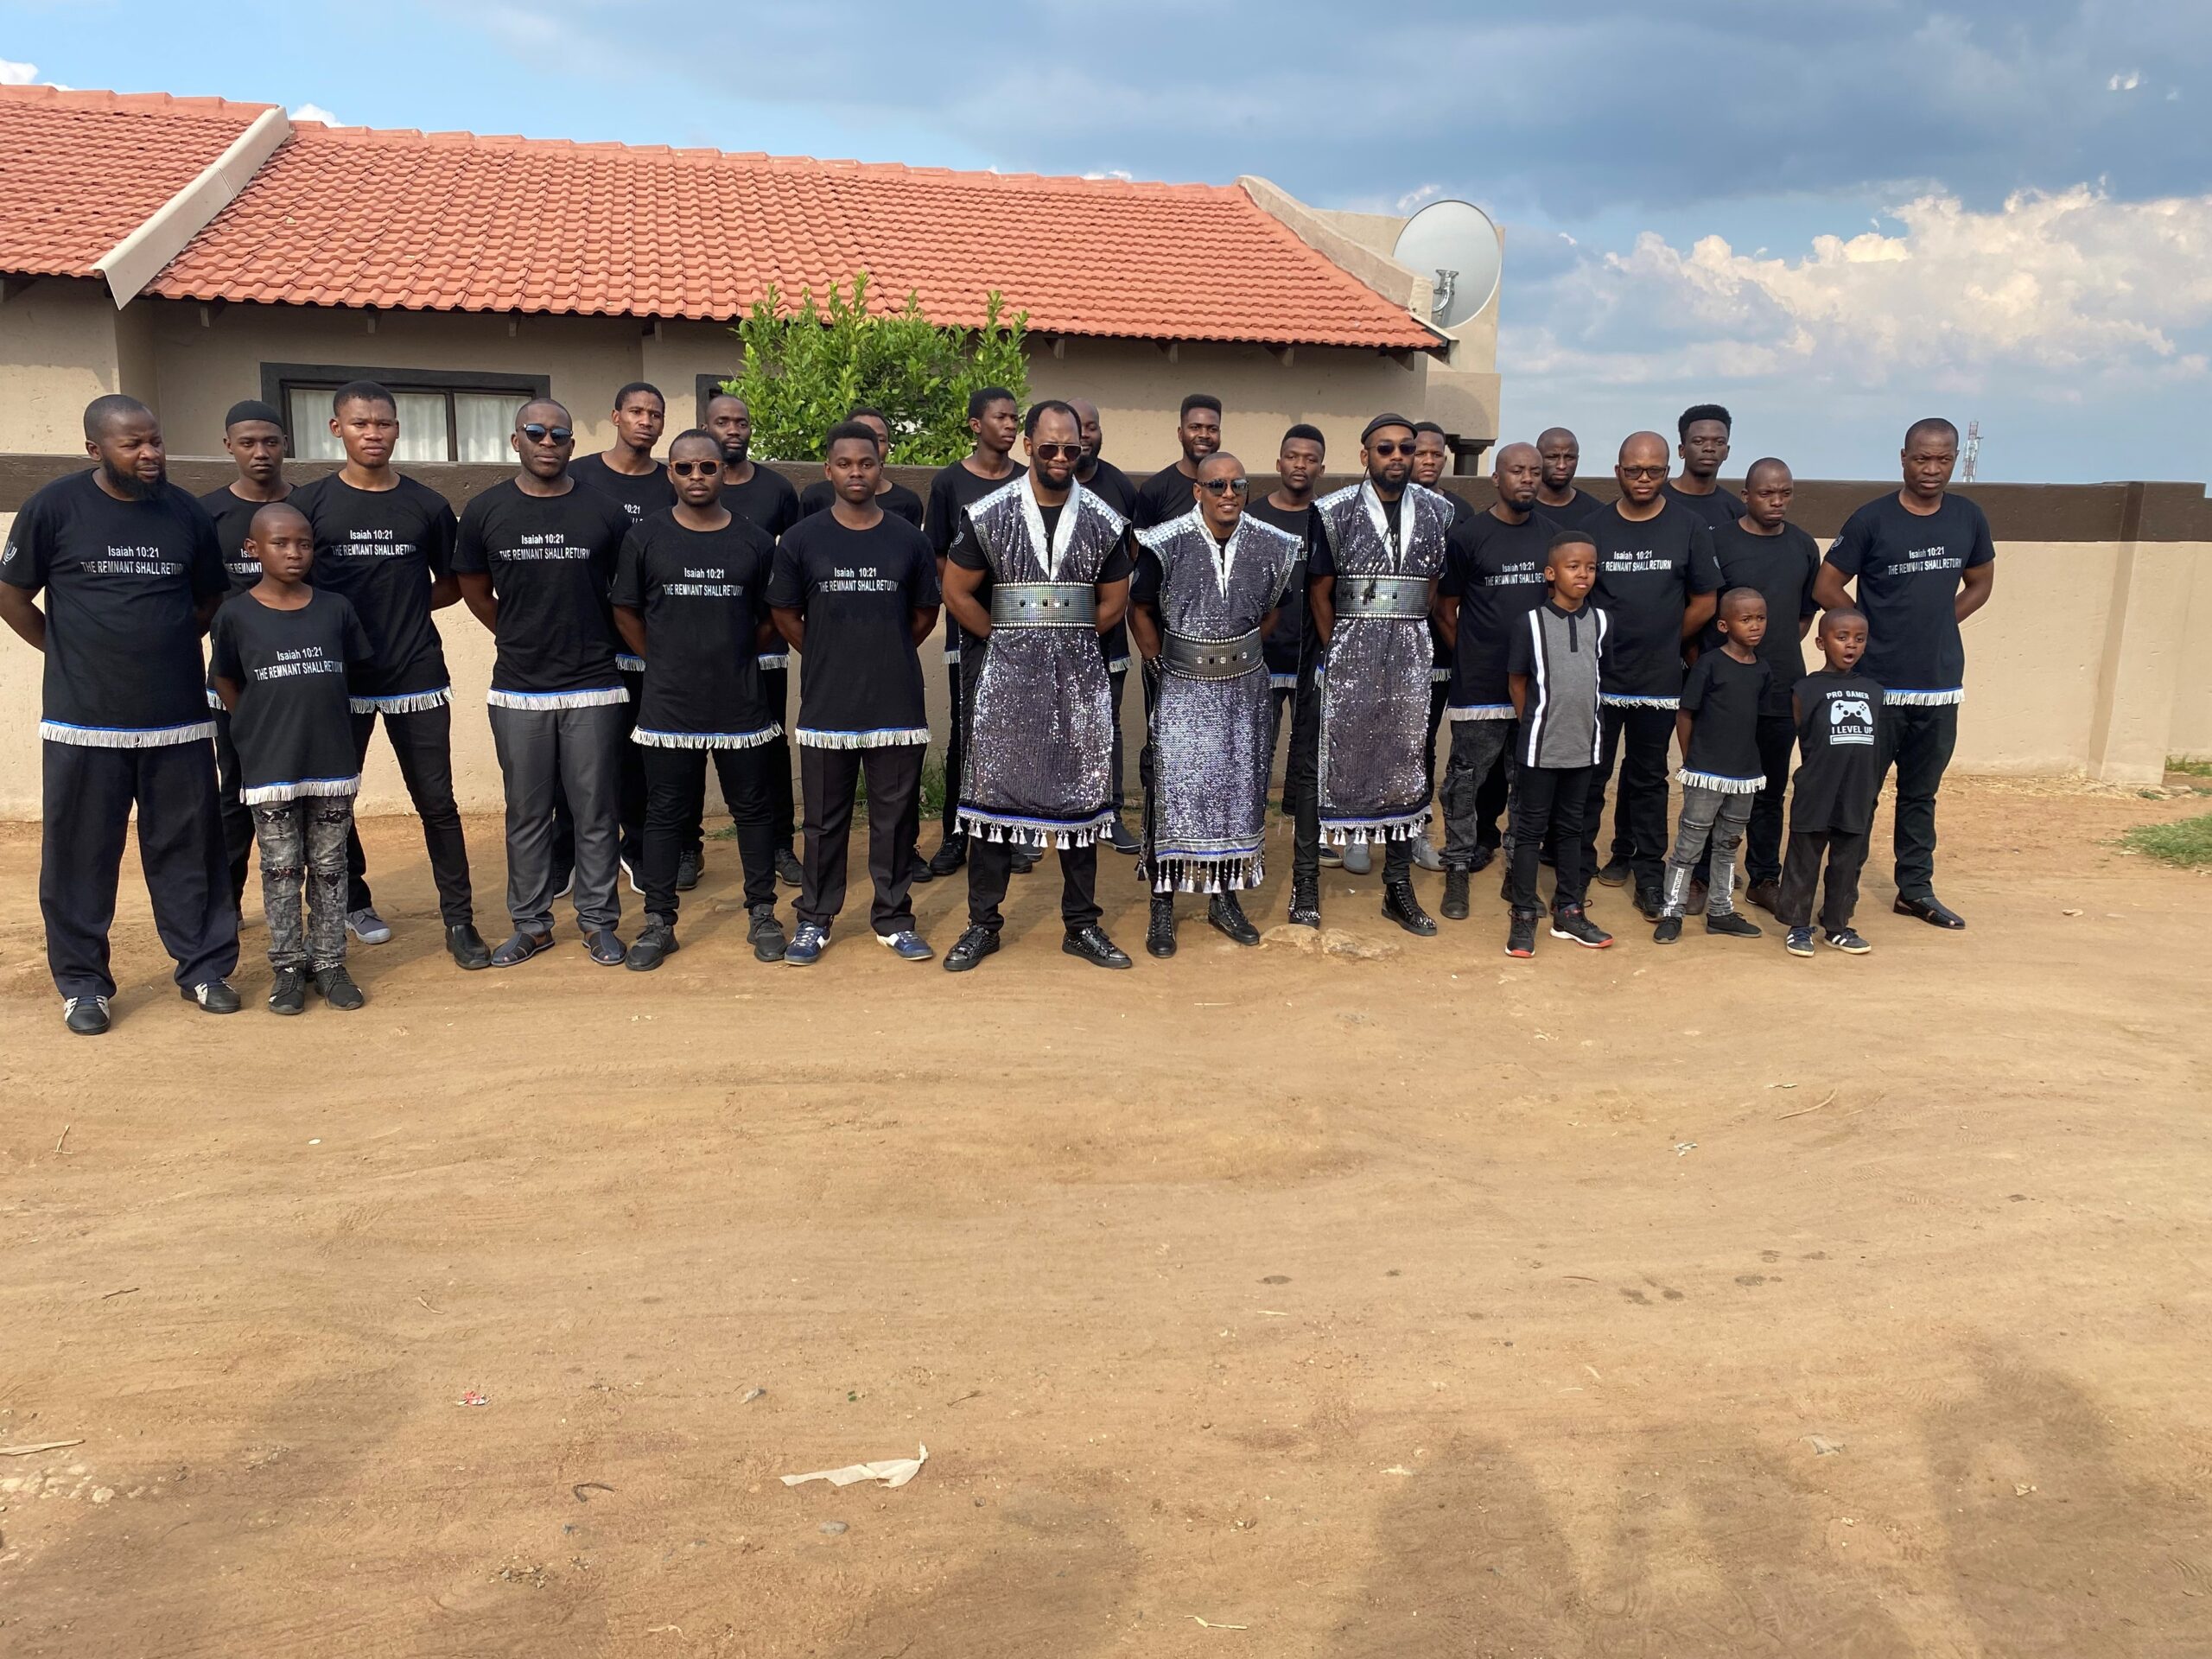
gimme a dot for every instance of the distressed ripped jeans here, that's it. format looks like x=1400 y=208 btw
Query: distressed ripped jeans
x=1710 y=820
x=303 y=845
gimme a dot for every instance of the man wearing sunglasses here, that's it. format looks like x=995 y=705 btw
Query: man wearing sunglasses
x=534 y=556
x=1103 y=479
x=1657 y=581
x=1038 y=569
x=1372 y=579
x=1207 y=588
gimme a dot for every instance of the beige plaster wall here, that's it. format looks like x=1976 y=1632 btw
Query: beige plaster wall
x=58 y=351
x=2189 y=732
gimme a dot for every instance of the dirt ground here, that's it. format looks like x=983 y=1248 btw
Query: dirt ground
x=1685 y=1302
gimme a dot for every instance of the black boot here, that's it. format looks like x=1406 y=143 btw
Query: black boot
x=1227 y=915
x=1455 y=894
x=1159 y=932
x=1402 y=907
x=1305 y=901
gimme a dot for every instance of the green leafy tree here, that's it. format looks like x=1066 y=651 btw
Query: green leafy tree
x=805 y=366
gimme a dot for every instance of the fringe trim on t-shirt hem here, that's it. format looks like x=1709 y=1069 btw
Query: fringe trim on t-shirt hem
x=656 y=739
x=780 y=659
x=1187 y=873
x=124 y=737
x=265 y=794
x=1356 y=832
x=1440 y=676
x=1718 y=785
x=952 y=653
x=626 y=664
x=406 y=702
x=1924 y=699
x=214 y=701
x=1034 y=832
x=891 y=737
x=542 y=700
x=1479 y=711
x=1282 y=682
x=1611 y=700
x=1117 y=666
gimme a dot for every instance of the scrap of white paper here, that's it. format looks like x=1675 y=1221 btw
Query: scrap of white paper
x=892 y=1471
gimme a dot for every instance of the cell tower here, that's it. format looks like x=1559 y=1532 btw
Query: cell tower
x=1973 y=452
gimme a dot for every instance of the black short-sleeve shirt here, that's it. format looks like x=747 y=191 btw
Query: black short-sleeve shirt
x=857 y=590
x=1293 y=629
x=1908 y=568
x=1166 y=494
x=899 y=501
x=1722 y=696
x=703 y=595
x=383 y=549
x=1782 y=567
x=766 y=498
x=122 y=581
x=1496 y=570
x=1721 y=507
x=642 y=494
x=551 y=560
x=293 y=727
x=233 y=517
x=1646 y=574
x=1839 y=737
x=1573 y=513
x=1111 y=485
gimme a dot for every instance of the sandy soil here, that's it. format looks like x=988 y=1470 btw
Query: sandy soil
x=1689 y=1302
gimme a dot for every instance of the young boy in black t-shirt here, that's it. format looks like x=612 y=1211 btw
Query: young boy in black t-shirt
x=1840 y=716
x=1718 y=727
x=282 y=654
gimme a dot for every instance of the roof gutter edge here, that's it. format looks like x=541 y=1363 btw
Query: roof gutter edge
x=1401 y=286
x=140 y=257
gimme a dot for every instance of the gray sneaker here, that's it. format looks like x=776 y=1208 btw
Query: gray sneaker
x=1425 y=854
x=1357 y=859
x=367 y=926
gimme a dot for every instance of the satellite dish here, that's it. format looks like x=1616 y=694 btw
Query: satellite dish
x=1454 y=244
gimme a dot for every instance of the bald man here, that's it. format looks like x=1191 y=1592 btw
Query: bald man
x=1556 y=497
x=1657 y=581
x=1112 y=486
x=131 y=571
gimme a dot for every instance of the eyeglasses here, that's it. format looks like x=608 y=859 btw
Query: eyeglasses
x=1388 y=448
x=696 y=468
x=538 y=434
x=1225 y=486
x=1643 y=472
x=1057 y=451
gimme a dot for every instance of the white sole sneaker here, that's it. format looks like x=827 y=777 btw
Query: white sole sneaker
x=368 y=927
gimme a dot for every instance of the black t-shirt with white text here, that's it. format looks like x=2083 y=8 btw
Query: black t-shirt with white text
x=1838 y=736
x=1908 y=570
x=703 y=595
x=1722 y=696
x=1496 y=570
x=766 y=498
x=1782 y=567
x=1293 y=632
x=295 y=670
x=642 y=494
x=233 y=517
x=123 y=583
x=383 y=549
x=551 y=560
x=1721 y=507
x=857 y=591
x=899 y=501
x=1646 y=574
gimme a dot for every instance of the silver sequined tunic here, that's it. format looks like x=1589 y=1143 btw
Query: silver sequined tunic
x=1212 y=739
x=1040 y=736
x=1375 y=676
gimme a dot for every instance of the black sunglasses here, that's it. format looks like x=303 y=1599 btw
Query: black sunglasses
x=538 y=434
x=696 y=468
x=1057 y=451
x=1225 y=486
x=1388 y=447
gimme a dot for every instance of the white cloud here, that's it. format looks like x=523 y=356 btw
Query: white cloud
x=1414 y=198
x=17 y=74
x=316 y=113
x=1122 y=173
x=2125 y=83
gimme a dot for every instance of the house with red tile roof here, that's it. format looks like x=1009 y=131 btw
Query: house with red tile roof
x=192 y=251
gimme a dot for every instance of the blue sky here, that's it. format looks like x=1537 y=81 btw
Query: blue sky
x=1833 y=218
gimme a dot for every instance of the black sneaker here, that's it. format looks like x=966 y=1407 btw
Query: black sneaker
x=654 y=946
x=1669 y=931
x=1521 y=934
x=1095 y=948
x=1455 y=894
x=691 y=865
x=764 y=934
x=85 y=1015
x=1228 y=917
x=1400 y=906
x=336 y=986
x=1846 y=941
x=789 y=870
x=1123 y=842
x=289 y=993
x=1730 y=925
x=1159 y=931
x=466 y=947
x=970 y=948
x=213 y=996
x=1481 y=859
x=1651 y=903
x=950 y=855
x=1614 y=873
x=1305 y=902
x=1799 y=942
x=1571 y=923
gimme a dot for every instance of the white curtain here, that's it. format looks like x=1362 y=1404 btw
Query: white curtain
x=483 y=422
x=422 y=427
x=312 y=438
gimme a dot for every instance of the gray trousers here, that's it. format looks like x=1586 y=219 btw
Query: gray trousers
x=1476 y=744
x=545 y=753
x=303 y=845
x=1708 y=817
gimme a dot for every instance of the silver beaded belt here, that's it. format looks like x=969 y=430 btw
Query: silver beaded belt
x=1211 y=659
x=1045 y=605
x=1381 y=596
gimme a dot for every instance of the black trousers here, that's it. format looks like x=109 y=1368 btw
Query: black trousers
x=1118 y=679
x=1302 y=777
x=1551 y=800
x=990 y=867
x=675 y=804
x=1639 y=738
x=1845 y=853
x=1778 y=742
x=237 y=816
x=1917 y=740
x=422 y=742
x=829 y=780
x=783 y=822
x=955 y=745
x=631 y=795
x=88 y=795
x=1439 y=695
